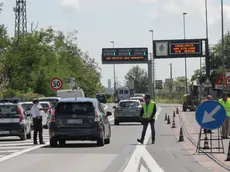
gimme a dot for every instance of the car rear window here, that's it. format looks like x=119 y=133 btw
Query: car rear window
x=75 y=108
x=53 y=102
x=7 y=110
x=27 y=106
x=129 y=104
x=44 y=105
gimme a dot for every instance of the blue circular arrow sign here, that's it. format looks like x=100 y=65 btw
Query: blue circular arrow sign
x=210 y=115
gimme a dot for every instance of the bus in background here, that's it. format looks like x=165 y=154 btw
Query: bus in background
x=101 y=97
x=122 y=93
x=70 y=93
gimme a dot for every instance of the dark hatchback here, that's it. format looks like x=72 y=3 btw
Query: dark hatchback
x=101 y=97
x=79 y=119
x=13 y=122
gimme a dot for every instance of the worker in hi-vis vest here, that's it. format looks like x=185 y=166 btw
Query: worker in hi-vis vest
x=225 y=127
x=147 y=115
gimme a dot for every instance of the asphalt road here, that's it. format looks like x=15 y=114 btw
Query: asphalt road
x=123 y=154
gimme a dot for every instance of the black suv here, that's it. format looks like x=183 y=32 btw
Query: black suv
x=13 y=122
x=79 y=119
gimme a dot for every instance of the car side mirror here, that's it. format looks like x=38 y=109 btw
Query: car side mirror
x=108 y=113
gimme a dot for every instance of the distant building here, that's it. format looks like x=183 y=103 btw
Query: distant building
x=109 y=83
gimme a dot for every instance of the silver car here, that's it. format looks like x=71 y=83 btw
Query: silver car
x=127 y=111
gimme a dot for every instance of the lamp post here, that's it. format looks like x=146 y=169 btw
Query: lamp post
x=222 y=42
x=153 y=67
x=185 y=60
x=114 y=73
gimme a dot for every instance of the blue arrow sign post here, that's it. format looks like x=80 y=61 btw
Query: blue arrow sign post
x=210 y=115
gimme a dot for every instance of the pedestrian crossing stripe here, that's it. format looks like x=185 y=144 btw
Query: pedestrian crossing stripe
x=10 y=146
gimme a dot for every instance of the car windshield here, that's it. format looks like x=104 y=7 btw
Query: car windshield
x=138 y=95
x=8 y=110
x=129 y=104
x=27 y=106
x=44 y=105
x=53 y=102
x=81 y=108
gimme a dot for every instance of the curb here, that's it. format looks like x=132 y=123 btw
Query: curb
x=202 y=150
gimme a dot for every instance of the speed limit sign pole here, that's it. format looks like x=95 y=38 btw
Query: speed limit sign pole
x=56 y=84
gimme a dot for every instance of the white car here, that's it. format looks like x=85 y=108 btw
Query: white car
x=26 y=106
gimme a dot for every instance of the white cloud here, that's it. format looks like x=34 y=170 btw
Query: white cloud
x=193 y=7
x=71 y=3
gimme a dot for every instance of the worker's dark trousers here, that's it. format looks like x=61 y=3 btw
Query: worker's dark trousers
x=38 y=129
x=145 y=126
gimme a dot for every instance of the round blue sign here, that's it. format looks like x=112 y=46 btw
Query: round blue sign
x=210 y=115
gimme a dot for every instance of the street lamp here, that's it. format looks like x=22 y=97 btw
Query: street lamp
x=185 y=59
x=114 y=72
x=153 y=69
x=222 y=40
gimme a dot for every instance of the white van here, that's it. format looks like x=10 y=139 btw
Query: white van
x=123 y=93
x=69 y=93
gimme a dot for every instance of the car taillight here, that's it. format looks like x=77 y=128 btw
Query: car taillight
x=20 y=114
x=97 y=117
x=52 y=118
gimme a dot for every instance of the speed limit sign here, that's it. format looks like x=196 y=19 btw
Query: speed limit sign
x=228 y=81
x=56 y=84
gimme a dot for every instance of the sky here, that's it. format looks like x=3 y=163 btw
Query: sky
x=127 y=23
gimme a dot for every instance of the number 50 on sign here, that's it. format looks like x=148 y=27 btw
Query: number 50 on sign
x=56 y=84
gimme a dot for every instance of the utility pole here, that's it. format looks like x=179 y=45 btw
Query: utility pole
x=114 y=73
x=185 y=59
x=20 y=18
x=222 y=43
x=153 y=66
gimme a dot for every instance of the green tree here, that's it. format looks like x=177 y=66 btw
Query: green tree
x=140 y=78
x=42 y=55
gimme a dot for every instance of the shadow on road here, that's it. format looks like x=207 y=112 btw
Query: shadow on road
x=126 y=125
x=74 y=145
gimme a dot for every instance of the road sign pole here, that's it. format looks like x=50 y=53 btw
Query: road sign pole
x=150 y=85
x=211 y=115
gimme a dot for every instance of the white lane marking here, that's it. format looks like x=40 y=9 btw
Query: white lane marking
x=7 y=157
x=16 y=144
x=143 y=169
x=9 y=151
x=105 y=106
x=141 y=151
x=14 y=147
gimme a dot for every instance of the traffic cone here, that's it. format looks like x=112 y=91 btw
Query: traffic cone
x=181 y=137
x=174 y=124
x=168 y=122
x=228 y=155
x=206 y=146
x=166 y=117
x=177 y=110
x=174 y=114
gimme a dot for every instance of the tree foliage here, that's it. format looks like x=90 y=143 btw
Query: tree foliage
x=139 y=77
x=215 y=61
x=28 y=65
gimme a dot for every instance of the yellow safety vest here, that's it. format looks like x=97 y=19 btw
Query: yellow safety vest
x=148 y=114
x=226 y=106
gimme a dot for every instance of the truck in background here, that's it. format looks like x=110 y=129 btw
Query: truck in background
x=122 y=93
x=70 y=93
